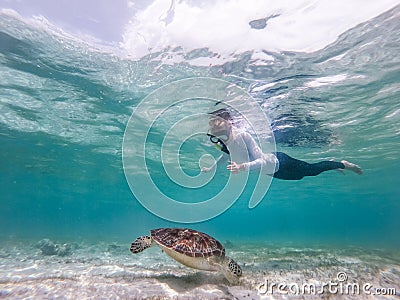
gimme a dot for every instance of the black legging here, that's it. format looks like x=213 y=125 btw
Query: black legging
x=294 y=169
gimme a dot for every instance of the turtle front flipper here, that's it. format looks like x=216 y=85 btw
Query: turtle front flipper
x=140 y=244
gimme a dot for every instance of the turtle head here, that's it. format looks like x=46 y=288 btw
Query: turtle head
x=231 y=270
x=141 y=243
x=234 y=268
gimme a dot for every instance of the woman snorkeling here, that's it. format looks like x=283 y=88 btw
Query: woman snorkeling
x=248 y=155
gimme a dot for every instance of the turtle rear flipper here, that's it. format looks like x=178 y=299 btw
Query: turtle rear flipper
x=140 y=244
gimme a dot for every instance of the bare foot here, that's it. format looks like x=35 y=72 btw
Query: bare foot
x=352 y=167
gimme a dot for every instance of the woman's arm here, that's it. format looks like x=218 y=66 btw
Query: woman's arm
x=257 y=159
x=220 y=160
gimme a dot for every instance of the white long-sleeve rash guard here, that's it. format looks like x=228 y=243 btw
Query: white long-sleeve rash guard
x=251 y=155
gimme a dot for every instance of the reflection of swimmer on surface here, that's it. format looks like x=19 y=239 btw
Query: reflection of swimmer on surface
x=248 y=154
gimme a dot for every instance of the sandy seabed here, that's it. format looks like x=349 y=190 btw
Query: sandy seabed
x=47 y=270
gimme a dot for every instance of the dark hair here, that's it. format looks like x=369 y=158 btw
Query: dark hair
x=222 y=113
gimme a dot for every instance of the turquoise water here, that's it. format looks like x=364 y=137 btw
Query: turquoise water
x=69 y=212
x=65 y=105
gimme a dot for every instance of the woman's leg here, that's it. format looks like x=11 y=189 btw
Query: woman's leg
x=294 y=169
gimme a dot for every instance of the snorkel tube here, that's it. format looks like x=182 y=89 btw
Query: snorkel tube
x=218 y=143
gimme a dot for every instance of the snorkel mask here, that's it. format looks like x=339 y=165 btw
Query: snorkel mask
x=221 y=131
x=220 y=125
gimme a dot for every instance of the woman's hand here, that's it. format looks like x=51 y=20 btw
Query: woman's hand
x=234 y=167
x=205 y=169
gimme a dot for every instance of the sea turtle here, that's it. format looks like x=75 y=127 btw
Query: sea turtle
x=192 y=248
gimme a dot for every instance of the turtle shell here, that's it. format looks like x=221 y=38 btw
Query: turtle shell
x=188 y=242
